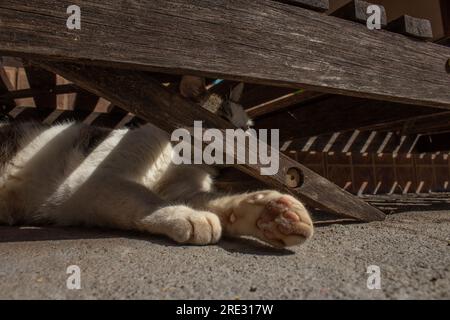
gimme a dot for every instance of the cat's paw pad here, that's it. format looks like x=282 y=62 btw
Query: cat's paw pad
x=285 y=222
x=278 y=219
x=197 y=227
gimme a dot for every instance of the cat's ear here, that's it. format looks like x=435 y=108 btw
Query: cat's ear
x=236 y=93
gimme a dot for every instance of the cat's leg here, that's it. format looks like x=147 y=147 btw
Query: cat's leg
x=278 y=219
x=183 y=225
x=123 y=204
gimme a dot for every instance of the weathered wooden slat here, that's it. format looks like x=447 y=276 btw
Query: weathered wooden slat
x=283 y=102
x=317 y=5
x=27 y=93
x=105 y=118
x=413 y=27
x=148 y=99
x=255 y=94
x=11 y=62
x=417 y=124
x=83 y=105
x=356 y=10
x=7 y=104
x=359 y=142
x=255 y=41
x=338 y=113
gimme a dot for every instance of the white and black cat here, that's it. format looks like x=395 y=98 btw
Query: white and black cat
x=73 y=174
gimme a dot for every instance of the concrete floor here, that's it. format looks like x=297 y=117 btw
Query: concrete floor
x=412 y=249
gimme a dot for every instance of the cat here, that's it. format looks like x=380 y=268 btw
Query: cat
x=73 y=174
x=229 y=108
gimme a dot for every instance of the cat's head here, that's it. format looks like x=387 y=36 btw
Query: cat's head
x=233 y=111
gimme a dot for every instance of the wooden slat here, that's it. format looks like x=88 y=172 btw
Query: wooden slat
x=255 y=94
x=413 y=27
x=25 y=107
x=66 y=101
x=283 y=102
x=317 y=5
x=148 y=99
x=8 y=104
x=338 y=113
x=255 y=41
x=11 y=62
x=370 y=141
x=416 y=124
x=356 y=10
x=27 y=93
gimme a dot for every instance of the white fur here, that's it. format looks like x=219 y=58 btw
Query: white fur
x=126 y=181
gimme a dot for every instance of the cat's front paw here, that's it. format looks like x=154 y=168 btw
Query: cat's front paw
x=195 y=227
x=279 y=219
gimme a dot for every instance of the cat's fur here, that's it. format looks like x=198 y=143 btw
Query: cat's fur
x=73 y=174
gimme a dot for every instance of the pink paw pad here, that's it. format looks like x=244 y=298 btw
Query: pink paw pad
x=282 y=218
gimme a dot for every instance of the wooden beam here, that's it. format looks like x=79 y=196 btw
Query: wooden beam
x=7 y=104
x=254 y=41
x=317 y=5
x=11 y=62
x=27 y=93
x=413 y=27
x=255 y=94
x=356 y=142
x=148 y=99
x=296 y=98
x=356 y=10
x=338 y=113
x=417 y=124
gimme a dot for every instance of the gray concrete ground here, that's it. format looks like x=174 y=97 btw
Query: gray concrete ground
x=412 y=249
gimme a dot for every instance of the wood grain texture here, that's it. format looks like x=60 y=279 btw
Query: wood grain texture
x=356 y=10
x=338 y=113
x=263 y=42
x=318 y=5
x=283 y=102
x=356 y=142
x=27 y=93
x=413 y=27
x=432 y=122
x=149 y=100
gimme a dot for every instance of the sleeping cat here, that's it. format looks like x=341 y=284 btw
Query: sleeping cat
x=72 y=174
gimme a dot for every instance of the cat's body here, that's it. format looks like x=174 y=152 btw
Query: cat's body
x=73 y=174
